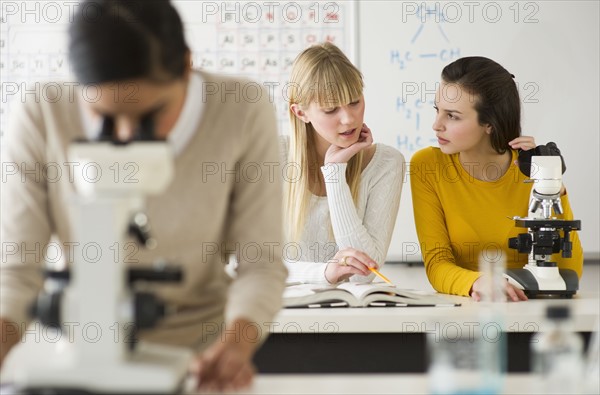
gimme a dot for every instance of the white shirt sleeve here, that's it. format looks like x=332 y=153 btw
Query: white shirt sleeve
x=371 y=234
x=306 y=272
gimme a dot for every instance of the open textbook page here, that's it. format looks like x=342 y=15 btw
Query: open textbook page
x=359 y=295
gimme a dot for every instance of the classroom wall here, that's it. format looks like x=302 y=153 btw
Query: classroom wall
x=550 y=46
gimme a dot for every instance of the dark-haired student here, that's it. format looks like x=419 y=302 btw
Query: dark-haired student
x=464 y=190
x=141 y=70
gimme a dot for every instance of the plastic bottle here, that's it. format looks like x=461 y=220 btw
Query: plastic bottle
x=492 y=317
x=474 y=361
x=557 y=354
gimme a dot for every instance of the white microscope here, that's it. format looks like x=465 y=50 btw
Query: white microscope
x=540 y=276
x=97 y=312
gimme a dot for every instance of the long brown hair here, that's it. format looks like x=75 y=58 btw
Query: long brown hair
x=496 y=96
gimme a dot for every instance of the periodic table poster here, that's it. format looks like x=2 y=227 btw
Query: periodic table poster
x=256 y=40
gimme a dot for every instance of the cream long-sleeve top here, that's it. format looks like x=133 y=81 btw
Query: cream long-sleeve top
x=216 y=203
x=366 y=226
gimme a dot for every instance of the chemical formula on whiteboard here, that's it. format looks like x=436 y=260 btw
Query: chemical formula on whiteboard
x=418 y=54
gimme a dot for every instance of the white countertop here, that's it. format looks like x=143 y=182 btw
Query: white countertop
x=518 y=317
x=514 y=383
x=368 y=384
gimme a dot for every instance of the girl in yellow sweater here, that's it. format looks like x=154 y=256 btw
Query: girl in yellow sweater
x=464 y=190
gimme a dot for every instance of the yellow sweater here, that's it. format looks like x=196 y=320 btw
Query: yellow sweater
x=457 y=217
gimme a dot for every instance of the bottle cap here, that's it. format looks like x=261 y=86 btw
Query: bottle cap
x=558 y=312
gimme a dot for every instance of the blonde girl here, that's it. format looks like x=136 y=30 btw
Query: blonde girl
x=342 y=199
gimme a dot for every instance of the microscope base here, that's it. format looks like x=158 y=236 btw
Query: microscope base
x=539 y=282
x=152 y=369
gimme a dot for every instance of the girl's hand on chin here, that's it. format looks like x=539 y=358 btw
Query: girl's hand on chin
x=336 y=154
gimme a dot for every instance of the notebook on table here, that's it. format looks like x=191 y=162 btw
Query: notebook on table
x=360 y=295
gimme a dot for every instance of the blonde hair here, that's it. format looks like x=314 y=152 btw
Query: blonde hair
x=321 y=74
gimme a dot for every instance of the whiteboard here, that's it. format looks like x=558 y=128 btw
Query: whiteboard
x=550 y=46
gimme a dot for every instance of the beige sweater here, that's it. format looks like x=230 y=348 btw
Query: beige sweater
x=202 y=210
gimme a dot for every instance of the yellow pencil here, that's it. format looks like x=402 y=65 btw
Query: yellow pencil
x=384 y=278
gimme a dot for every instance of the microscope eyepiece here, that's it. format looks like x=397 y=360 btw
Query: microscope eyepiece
x=550 y=149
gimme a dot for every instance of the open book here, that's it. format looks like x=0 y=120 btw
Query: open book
x=359 y=295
